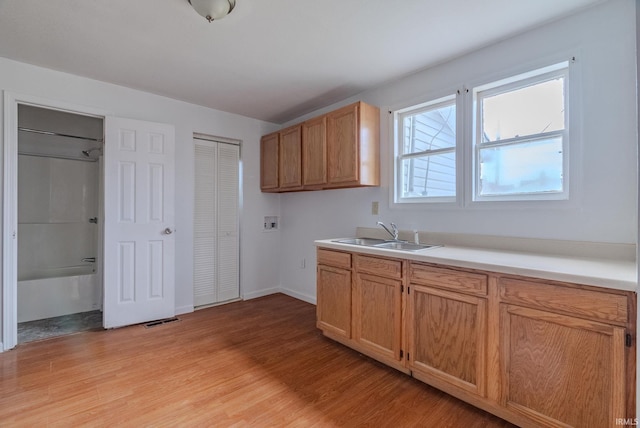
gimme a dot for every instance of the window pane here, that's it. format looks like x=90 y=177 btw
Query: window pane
x=529 y=167
x=527 y=111
x=430 y=130
x=429 y=176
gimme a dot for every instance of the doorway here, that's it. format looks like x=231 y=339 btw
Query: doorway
x=59 y=286
x=135 y=217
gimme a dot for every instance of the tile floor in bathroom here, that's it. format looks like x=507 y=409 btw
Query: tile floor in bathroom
x=59 y=326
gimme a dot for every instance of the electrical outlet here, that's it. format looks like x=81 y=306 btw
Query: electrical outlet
x=303 y=263
x=374 y=207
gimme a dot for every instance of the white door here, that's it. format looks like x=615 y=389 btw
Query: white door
x=216 y=237
x=139 y=243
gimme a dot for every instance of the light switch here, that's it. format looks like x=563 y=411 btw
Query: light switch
x=374 y=208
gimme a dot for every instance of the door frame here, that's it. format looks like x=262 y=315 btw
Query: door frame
x=9 y=332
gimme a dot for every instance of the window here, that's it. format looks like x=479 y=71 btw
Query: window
x=426 y=161
x=512 y=145
x=521 y=138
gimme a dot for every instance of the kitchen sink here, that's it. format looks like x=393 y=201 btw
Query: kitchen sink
x=361 y=241
x=404 y=246
x=382 y=243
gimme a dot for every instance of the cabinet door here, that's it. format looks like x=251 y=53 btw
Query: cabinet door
x=377 y=314
x=333 y=308
x=269 y=162
x=342 y=145
x=314 y=152
x=447 y=337
x=290 y=159
x=560 y=370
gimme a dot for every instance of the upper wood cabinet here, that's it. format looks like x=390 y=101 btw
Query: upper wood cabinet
x=353 y=146
x=314 y=152
x=290 y=158
x=338 y=149
x=269 y=148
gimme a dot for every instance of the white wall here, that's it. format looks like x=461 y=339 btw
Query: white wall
x=603 y=207
x=259 y=263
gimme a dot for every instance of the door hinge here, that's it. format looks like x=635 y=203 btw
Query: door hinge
x=408 y=357
x=408 y=290
x=401 y=353
x=628 y=340
x=401 y=291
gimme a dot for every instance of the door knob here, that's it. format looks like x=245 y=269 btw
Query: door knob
x=168 y=231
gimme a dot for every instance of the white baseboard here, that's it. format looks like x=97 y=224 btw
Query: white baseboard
x=260 y=293
x=274 y=290
x=184 y=309
x=298 y=295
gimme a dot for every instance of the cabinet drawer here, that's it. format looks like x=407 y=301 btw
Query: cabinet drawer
x=576 y=301
x=334 y=258
x=379 y=266
x=450 y=279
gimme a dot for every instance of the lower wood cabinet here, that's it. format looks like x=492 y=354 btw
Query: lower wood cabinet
x=532 y=351
x=560 y=370
x=447 y=337
x=333 y=309
x=377 y=314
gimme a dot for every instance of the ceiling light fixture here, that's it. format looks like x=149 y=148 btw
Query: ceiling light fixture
x=213 y=9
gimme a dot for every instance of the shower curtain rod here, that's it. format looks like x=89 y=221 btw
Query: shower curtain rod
x=37 y=131
x=76 y=158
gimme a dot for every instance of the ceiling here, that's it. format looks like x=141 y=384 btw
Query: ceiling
x=273 y=60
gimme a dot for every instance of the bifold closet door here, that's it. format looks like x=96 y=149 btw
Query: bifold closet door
x=216 y=243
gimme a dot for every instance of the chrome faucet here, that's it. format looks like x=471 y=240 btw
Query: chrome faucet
x=394 y=234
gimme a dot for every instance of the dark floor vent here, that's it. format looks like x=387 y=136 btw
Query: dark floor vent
x=160 y=322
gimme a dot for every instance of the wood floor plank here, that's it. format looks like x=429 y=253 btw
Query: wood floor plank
x=258 y=363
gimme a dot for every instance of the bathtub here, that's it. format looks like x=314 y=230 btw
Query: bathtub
x=58 y=291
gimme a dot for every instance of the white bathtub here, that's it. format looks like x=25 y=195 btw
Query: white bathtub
x=69 y=292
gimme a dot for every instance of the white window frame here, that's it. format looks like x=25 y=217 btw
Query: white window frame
x=519 y=81
x=399 y=156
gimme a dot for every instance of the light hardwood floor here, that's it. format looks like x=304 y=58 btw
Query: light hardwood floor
x=259 y=363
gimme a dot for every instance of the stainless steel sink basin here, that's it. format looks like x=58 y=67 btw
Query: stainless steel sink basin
x=361 y=241
x=382 y=243
x=404 y=246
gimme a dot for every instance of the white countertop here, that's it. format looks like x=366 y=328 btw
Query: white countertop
x=619 y=275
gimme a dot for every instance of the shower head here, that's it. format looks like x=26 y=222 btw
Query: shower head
x=87 y=153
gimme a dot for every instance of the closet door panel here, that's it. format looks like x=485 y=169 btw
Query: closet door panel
x=204 y=225
x=228 y=236
x=216 y=225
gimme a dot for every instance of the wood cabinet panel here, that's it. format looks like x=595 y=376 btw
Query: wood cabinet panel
x=448 y=278
x=447 y=337
x=334 y=258
x=269 y=153
x=342 y=145
x=290 y=158
x=338 y=149
x=379 y=266
x=377 y=314
x=573 y=301
x=314 y=152
x=334 y=300
x=535 y=352
x=560 y=370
